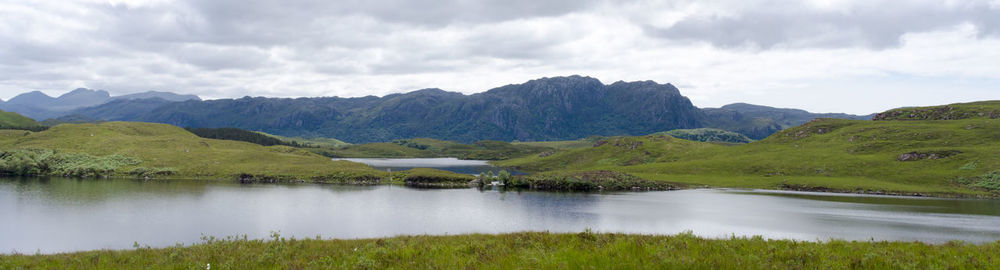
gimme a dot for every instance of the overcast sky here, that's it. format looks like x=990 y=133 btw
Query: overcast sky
x=856 y=56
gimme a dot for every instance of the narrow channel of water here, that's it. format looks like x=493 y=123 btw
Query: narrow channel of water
x=60 y=214
x=447 y=164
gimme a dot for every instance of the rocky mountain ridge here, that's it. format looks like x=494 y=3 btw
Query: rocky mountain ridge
x=557 y=108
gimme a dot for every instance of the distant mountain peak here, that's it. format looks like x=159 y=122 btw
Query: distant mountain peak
x=564 y=80
x=84 y=95
x=169 y=96
x=433 y=92
x=81 y=90
x=38 y=105
x=30 y=98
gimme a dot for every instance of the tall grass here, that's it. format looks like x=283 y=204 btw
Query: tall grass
x=528 y=250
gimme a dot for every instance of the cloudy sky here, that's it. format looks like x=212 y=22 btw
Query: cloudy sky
x=856 y=56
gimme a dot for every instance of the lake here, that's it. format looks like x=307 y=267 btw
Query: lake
x=59 y=214
x=447 y=164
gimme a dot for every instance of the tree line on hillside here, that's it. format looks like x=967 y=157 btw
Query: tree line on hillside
x=235 y=134
x=28 y=128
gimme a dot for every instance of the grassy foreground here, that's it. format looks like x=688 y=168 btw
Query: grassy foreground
x=529 y=250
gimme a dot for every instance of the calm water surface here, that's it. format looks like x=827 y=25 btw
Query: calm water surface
x=447 y=164
x=58 y=214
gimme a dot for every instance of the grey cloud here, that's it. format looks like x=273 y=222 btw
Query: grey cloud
x=269 y=23
x=879 y=24
x=231 y=48
x=423 y=12
x=218 y=57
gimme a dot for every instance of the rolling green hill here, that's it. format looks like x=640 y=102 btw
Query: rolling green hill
x=757 y=122
x=124 y=148
x=12 y=120
x=905 y=157
x=982 y=110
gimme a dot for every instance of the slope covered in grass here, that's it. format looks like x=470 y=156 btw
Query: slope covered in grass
x=942 y=157
x=981 y=110
x=13 y=120
x=310 y=142
x=564 y=145
x=166 y=146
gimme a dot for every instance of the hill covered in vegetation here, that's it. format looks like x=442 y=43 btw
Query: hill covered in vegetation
x=236 y=134
x=430 y=148
x=12 y=120
x=980 y=110
x=757 y=122
x=899 y=157
x=158 y=150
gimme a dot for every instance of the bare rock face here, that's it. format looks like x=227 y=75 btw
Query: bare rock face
x=914 y=156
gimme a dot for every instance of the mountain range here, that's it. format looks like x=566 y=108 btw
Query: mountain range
x=758 y=122
x=557 y=108
x=40 y=106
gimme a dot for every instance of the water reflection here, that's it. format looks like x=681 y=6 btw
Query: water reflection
x=447 y=164
x=61 y=214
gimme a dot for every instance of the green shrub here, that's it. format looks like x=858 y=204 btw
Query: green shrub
x=504 y=177
x=969 y=166
x=37 y=162
x=434 y=177
x=989 y=181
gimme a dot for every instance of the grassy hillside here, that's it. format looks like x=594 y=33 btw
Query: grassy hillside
x=427 y=148
x=564 y=145
x=159 y=146
x=758 y=122
x=528 y=251
x=948 y=157
x=980 y=110
x=235 y=134
x=310 y=142
x=12 y=120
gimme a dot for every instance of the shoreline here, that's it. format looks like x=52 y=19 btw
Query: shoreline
x=674 y=187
